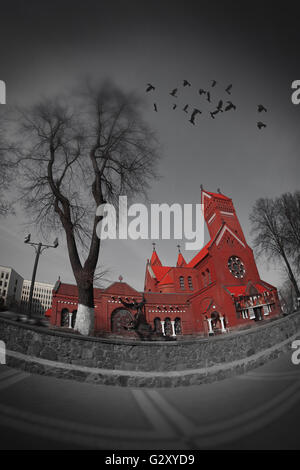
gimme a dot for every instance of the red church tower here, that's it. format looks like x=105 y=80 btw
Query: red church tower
x=218 y=290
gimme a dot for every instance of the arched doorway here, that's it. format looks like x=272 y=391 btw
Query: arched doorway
x=157 y=325
x=74 y=313
x=177 y=326
x=121 y=320
x=215 y=316
x=217 y=323
x=64 y=319
x=168 y=327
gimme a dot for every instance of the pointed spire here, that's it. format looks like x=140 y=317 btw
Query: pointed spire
x=180 y=260
x=155 y=261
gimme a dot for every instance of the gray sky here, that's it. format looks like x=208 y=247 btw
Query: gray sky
x=46 y=47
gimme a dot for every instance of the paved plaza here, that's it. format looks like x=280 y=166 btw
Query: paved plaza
x=258 y=410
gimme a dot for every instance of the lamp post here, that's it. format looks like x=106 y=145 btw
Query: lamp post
x=39 y=248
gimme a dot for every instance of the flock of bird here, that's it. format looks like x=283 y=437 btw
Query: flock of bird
x=207 y=94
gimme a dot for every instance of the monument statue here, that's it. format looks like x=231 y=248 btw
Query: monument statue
x=139 y=323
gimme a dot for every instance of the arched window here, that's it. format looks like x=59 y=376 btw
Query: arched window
x=168 y=327
x=190 y=282
x=204 y=279
x=181 y=282
x=64 y=321
x=74 y=313
x=157 y=325
x=177 y=326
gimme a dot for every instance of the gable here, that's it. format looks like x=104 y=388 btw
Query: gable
x=120 y=288
x=223 y=232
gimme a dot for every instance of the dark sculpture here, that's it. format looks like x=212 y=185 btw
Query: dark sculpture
x=139 y=323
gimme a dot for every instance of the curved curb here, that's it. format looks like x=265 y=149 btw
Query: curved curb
x=143 y=378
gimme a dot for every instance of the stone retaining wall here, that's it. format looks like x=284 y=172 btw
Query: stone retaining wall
x=124 y=362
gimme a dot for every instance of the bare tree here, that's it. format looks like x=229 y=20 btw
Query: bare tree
x=289 y=214
x=76 y=154
x=6 y=174
x=287 y=296
x=269 y=238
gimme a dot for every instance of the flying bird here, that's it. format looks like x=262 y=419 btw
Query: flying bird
x=194 y=114
x=155 y=107
x=213 y=113
x=202 y=92
x=174 y=106
x=230 y=106
x=185 y=109
x=186 y=83
x=150 y=87
x=173 y=92
x=220 y=105
x=208 y=96
x=260 y=125
x=213 y=83
x=261 y=108
x=228 y=89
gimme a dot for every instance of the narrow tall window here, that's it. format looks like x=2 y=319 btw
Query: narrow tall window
x=181 y=282
x=190 y=282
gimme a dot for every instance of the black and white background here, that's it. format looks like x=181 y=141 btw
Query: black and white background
x=46 y=47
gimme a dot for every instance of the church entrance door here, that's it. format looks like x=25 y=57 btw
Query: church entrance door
x=121 y=320
x=258 y=313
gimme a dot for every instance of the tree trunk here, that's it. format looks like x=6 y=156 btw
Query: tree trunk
x=85 y=318
x=291 y=275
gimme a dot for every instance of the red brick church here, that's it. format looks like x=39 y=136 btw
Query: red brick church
x=217 y=291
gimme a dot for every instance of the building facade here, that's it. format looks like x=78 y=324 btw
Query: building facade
x=10 y=287
x=217 y=291
x=41 y=300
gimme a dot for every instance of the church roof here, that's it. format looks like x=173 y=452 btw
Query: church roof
x=166 y=280
x=180 y=261
x=218 y=195
x=120 y=288
x=155 y=259
x=242 y=290
x=199 y=256
x=160 y=271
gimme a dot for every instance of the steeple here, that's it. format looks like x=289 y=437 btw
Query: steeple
x=218 y=209
x=180 y=259
x=155 y=261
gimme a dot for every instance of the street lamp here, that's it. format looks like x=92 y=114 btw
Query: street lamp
x=39 y=248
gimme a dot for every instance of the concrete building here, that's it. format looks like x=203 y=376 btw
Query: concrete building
x=42 y=297
x=10 y=286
